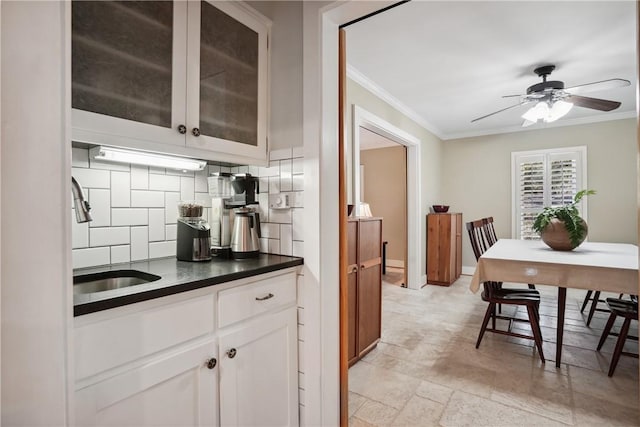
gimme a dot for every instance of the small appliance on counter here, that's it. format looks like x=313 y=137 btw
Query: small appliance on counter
x=245 y=239
x=220 y=217
x=245 y=242
x=193 y=234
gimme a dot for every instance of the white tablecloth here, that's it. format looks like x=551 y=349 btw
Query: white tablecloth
x=609 y=267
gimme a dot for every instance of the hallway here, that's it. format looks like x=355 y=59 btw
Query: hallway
x=426 y=370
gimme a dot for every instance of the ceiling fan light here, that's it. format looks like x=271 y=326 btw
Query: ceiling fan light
x=537 y=112
x=527 y=123
x=559 y=109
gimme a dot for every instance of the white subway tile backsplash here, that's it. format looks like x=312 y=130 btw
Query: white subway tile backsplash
x=201 y=185
x=120 y=189
x=79 y=233
x=147 y=199
x=139 y=243
x=79 y=158
x=286 y=240
x=285 y=175
x=120 y=254
x=171 y=231
x=171 y=207
x=164 y=182
x=297 y=182
x=274 y=246
x=139 y=177
x=108 y=236
x=90 y=257
x=274 y=185
x=280 y=216
x=91 y=178
x=162 y=249
x=129 y=216
x=135 y=207
x=264 y=245
x=156 y=225
x=100 y=201
x=297 y=216
x=187 y=188
x=270 y=231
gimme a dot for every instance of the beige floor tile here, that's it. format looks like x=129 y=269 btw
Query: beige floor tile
x=619 y=390
x=355 y=402
x=382 y=385
x=468 y=410
x=419 y=412
x=376 y=413
x=357 y=422
x=436 y=392
x=592 y=411
x=427 y=357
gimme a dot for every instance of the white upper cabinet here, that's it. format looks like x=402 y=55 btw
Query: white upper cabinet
x=188 y=78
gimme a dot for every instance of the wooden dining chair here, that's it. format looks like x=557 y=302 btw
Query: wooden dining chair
x=495 y=295
x=628 y=309
x=594 y=304
x=490 y=230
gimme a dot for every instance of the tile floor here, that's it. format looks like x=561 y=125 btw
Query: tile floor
x=427 y=372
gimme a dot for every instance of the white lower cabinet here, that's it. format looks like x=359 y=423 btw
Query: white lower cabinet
x=259 y=371
x=177 y=389
x=165 y=362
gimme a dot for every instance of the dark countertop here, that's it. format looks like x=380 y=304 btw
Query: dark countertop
x=176 y=276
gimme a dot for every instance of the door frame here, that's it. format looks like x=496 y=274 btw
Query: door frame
x=368 y=120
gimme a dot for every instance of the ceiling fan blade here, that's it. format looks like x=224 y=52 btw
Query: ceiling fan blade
x=595 y=86
x=512 y=96
x=500 y=111
x=593 y=103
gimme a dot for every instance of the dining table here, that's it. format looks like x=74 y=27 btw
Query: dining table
x=609 y=267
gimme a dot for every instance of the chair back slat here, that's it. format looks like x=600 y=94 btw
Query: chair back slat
x=478 y=238
x=490 y=230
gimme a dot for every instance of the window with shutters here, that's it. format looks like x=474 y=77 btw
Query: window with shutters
x=545 y=178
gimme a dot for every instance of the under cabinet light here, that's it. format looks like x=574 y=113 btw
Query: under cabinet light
x=119 y=155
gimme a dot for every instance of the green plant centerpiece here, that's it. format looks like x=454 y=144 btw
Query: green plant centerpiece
x=562 y=228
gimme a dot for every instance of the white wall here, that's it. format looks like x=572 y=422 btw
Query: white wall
x=286 y=72
x=430 y=163
x=476 y=177
x=36 y=195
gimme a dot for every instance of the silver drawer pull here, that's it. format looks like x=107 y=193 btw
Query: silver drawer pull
x=265 y=297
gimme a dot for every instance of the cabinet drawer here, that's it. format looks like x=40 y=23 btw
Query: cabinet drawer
x=246 y=301
x=113 y=342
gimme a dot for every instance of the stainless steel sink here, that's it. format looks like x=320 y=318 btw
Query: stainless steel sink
x=116 y=279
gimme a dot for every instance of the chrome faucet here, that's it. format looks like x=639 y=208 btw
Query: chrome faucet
x=81 y=205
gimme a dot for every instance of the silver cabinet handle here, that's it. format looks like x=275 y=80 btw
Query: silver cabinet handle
x=265 y=297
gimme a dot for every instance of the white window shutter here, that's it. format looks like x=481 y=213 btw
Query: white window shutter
x=544 y=178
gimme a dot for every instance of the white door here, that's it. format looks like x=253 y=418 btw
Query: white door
x=177 y=389
x=259 y=372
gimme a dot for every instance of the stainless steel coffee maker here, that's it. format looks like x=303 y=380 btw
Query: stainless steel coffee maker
x=245 y=238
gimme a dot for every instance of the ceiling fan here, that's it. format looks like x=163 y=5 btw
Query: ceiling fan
x=552 y=100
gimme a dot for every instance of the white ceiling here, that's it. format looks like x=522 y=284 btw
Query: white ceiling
x=446 y=63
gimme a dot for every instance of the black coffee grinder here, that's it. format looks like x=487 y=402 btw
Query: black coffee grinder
x=193 y=233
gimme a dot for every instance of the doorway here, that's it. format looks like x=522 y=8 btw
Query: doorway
x=383 y=192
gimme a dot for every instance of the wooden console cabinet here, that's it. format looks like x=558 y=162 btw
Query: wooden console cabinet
x=364 y=274
x=444 y=248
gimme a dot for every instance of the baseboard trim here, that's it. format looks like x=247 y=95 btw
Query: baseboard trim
x=468 y=271
x=423 y=282
x=395 y=263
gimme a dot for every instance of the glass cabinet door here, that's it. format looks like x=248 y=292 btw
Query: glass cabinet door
x=123 y=65
x=231 y=80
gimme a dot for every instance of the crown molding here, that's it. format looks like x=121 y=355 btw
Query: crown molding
x=378 y=91
x=560 y=123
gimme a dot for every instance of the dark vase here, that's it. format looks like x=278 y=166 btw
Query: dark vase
x=556 y=236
